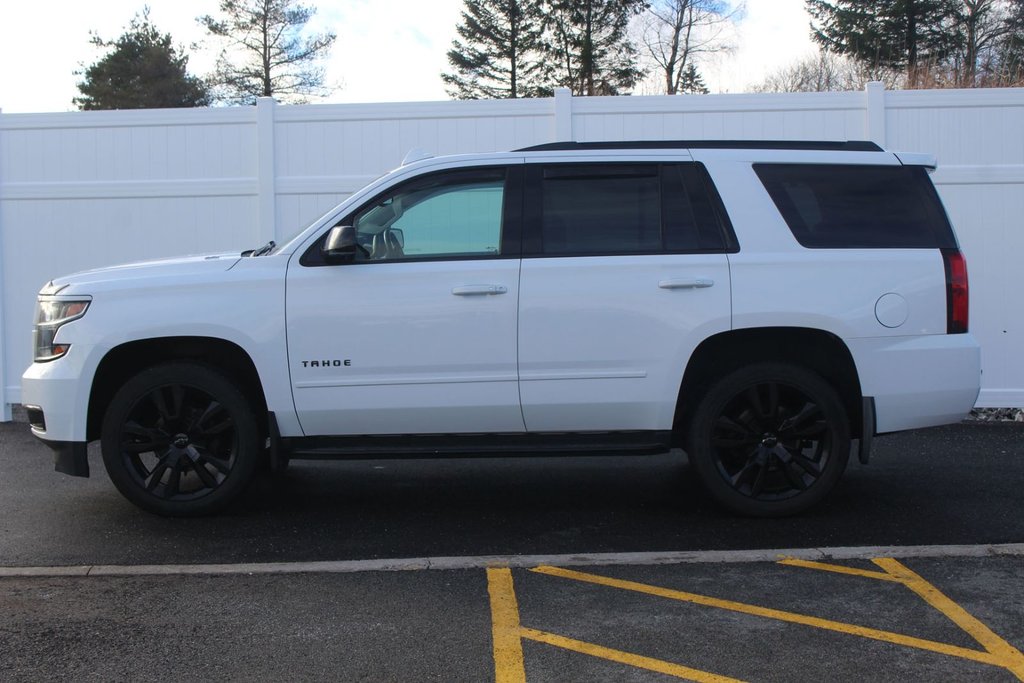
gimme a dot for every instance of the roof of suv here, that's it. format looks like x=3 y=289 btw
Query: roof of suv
x=828 y=146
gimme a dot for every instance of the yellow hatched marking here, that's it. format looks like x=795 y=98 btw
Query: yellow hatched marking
x=839 y=569
x=779 y=615
x=628 y=658
x=1009 y=656
x=508 y=647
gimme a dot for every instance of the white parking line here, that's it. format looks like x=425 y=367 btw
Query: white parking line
x=517 y=561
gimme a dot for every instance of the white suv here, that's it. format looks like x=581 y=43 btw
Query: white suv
x=769 y=307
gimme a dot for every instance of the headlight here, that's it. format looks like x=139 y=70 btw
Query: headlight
x=50 y=315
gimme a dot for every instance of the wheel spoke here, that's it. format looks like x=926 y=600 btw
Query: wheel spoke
x=813 y=430
x=157 y=474
x=173 y=481
x=729 y=433
x=209 y=481
x=793 y=423
x=786 y=461
x=737 y=478
x=177 y=399
x=157 y=397
x=759 y=480
x=806 y=465
x=216 y=463
x=223 y=424
x=137 y=447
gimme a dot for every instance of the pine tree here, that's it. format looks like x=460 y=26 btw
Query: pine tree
x=1011 y=48
x=589 y=46
x=691 y=82
x=142 y=70
x=266 y=53
x=497 y=54
x=898 y=34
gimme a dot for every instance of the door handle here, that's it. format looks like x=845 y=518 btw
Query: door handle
x=687 y=283
x=479 y=290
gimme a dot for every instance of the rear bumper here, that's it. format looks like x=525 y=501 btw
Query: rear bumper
x=918 y=381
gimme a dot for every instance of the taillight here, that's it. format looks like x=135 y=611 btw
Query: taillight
x=956 y=291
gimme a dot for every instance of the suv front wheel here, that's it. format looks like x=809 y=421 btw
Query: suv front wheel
x=179 y=439
x=769 y=439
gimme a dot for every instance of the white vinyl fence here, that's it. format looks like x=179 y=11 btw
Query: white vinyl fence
x=86 y=189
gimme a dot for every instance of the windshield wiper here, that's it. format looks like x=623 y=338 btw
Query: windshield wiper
x=265 y=249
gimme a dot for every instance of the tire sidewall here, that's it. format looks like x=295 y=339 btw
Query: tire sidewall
x=205 y=378
x=704 y=460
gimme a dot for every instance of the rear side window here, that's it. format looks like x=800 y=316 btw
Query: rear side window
x=832 y=206
x=596 y=209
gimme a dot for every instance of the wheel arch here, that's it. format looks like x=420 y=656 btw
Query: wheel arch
x=130 y=358
x=820 y=351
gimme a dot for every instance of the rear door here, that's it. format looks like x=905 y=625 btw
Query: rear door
x=624 y=274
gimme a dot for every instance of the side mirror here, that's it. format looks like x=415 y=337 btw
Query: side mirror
x=341 y=244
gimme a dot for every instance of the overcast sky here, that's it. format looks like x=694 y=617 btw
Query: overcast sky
x=387 y=50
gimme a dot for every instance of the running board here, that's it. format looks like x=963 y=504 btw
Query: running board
x=476 y=445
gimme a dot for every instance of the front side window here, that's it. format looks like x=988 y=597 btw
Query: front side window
x=453 y=215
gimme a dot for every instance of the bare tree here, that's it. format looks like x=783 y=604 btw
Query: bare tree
x=266 y=54
x=827 y=72
x=677 y=31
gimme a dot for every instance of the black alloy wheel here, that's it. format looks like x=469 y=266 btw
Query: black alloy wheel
x=180 y=439
x=770 y=439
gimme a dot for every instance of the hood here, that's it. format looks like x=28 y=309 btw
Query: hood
x=184 y=266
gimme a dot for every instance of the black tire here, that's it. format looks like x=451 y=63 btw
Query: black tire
x=180 y=440
x=769 y=440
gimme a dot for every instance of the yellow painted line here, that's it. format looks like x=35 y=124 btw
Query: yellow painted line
x=840 y=569
x=628 y=658
x=508 y=647
x=779 y=615
x=1009 y=656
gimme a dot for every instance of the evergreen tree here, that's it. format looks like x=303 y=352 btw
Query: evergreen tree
x=497 y=54
x=898 y=34
x=589 y=47
x=266 y=53
x=142 y=70
x=691 y=82
x=1011 y=48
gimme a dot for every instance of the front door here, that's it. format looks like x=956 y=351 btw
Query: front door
x=417 y=335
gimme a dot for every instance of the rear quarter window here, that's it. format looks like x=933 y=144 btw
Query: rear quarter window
x=837 y=206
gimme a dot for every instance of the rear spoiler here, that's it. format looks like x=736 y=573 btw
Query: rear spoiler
x=926 y=160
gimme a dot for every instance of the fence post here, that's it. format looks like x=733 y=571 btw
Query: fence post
x=874 y=120
x=563 y=115
x=266 y=170
x=5 y=406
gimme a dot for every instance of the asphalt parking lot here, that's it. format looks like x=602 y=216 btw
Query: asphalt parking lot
x=558 y=570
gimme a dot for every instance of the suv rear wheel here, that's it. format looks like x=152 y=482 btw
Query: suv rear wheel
x=769 y=439
x=179 y=439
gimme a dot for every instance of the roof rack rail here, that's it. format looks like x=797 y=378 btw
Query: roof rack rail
x=826 y=145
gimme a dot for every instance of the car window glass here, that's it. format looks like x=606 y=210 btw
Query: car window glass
x=858 y=206
x=442 y=216
x=587 y=211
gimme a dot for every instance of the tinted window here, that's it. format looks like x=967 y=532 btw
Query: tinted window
x=614 y=211
x=446 y=215
x=852 y=206
x=626 y=209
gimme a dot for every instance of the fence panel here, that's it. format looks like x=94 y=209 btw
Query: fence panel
x=88 y=189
